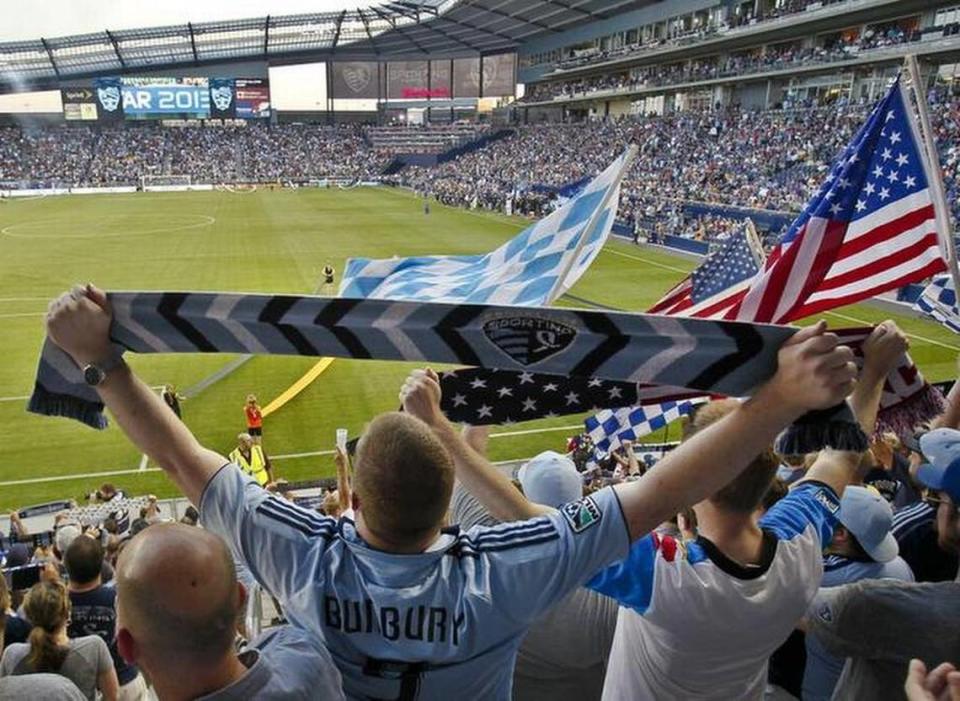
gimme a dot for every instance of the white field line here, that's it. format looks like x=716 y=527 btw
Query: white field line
x=22 y=314
x=922 y=339
x=645 y=260
x=287 y=456
x=156 y=388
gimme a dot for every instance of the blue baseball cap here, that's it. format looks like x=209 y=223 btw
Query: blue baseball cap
x=941 y=449
x=868 y=516
x=550 y=479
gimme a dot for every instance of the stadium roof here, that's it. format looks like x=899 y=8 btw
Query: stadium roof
x=399 y=28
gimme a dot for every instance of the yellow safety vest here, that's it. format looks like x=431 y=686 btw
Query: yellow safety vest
x=256 y=466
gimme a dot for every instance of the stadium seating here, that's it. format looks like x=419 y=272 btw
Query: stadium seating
x=762 y=160
x=431 y=139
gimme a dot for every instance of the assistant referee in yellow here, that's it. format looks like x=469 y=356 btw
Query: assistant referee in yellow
x=252 y=459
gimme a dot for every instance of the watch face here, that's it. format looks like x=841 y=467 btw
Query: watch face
x=93 y=375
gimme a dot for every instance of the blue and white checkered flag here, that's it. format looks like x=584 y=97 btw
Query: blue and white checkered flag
x=609 y=428
x=939 y=300
x=532 y=269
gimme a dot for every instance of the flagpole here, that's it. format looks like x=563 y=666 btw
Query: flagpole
x=931 y=166
x=558 y=285
x=756 y=244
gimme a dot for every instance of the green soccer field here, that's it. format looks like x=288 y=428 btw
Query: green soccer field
x=263 y=242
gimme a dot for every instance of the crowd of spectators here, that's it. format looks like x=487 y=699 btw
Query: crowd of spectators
x=767 y=160
x=678 y=36
x=727 y=156
x=772 y=59
x=94 y=156
x=589 y=577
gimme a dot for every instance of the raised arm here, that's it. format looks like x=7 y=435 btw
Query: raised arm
x=633 y=465
x=881 y=354
x=477 y=437
x=950 y=418
x=79 y=322
x=815 y=372
x=344 y=491
x=420 y=396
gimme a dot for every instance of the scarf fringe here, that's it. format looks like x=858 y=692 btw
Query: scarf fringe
x=835 y=428
x=904 y=417
x=48 y=403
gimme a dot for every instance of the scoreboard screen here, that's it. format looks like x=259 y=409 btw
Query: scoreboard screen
x=174 y=98
x=147 y=98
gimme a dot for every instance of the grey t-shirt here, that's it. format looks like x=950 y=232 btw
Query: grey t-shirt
x=284 y=663
x=32 y=687
x=880 y=625
x=89 y=657
x=564 y=655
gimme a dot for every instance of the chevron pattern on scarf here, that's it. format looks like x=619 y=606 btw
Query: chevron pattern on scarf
x=719 y=357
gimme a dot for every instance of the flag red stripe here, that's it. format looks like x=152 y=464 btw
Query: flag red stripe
x=874 y=267
x=886 y=231
x=823 y=305
x=830 y=242
x=775 y=278
x=714 y=311
x=676 y=293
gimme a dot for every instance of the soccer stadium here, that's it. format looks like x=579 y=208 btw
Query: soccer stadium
x=480 y=349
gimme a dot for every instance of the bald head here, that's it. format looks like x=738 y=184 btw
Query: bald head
x=177 y=595
x=404 y=478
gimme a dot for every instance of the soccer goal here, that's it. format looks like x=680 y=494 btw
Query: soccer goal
x=159 y=183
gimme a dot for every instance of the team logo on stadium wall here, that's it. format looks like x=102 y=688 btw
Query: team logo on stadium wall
x=529 y=339
x=222 y=97
x=109 y=97
x=356 y=76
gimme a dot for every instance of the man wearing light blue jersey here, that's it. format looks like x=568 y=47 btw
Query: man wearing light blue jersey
x=410 y=610
x=699 y=619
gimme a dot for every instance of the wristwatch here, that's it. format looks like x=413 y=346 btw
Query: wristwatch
x=95 y=373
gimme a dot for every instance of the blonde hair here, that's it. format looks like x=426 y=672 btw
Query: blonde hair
x=48 y=609
x=404 y=478
x=745 y=492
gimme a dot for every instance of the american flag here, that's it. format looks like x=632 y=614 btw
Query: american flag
x=480 y=397
x=869 y=228
x=719 y=282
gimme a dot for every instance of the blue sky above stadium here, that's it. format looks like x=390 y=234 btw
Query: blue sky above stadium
x=63 y=17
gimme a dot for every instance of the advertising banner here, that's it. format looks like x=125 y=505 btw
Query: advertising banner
x=499 y=73
x=466 y=77
x=407 y=80
x=354 y=80
x=109 y=99
x=441 y=74
x=223 y=98
x=252 y=98
x=79 y=104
